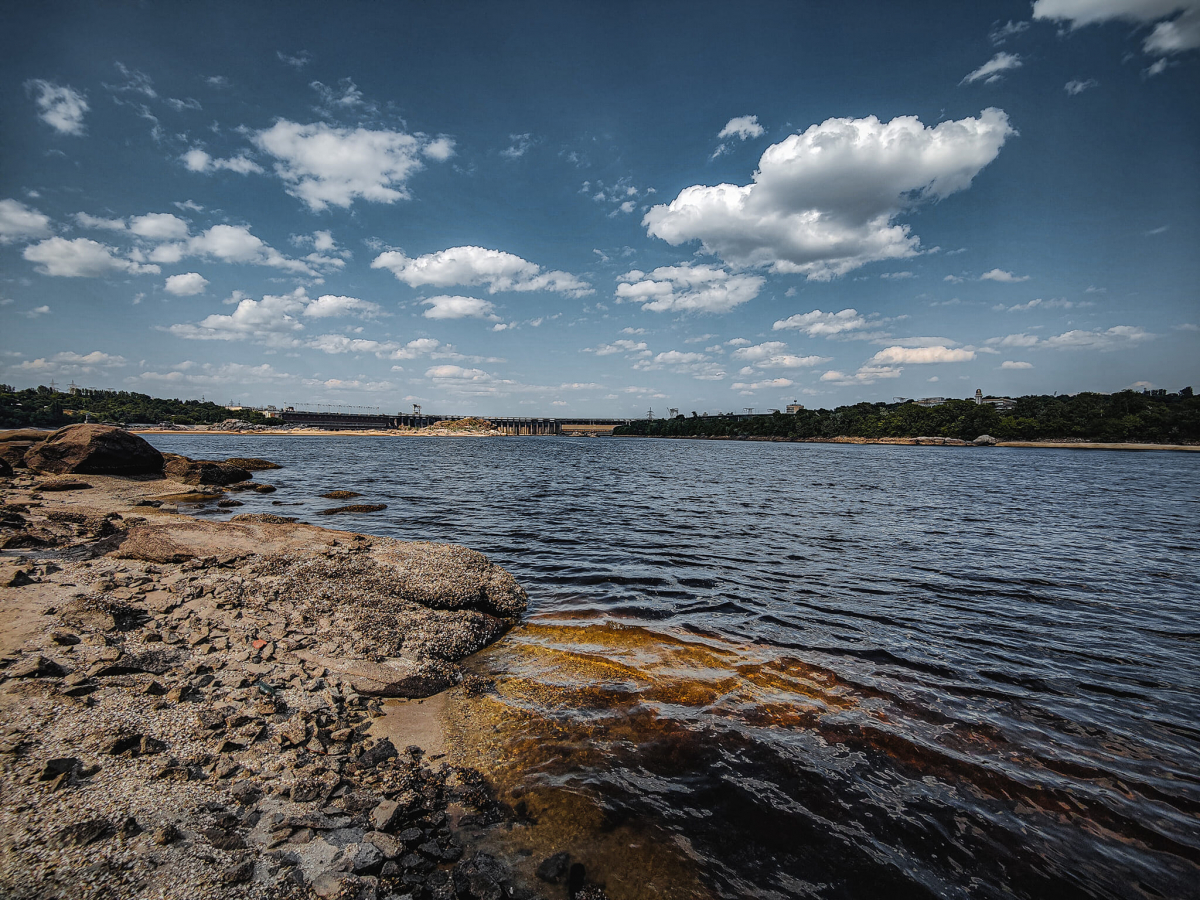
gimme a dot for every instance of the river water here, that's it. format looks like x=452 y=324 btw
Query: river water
x=814 y=670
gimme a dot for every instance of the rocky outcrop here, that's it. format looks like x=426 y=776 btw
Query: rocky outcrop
x=201 y=471
x=94 y=450
x=984 y=440
x=6 y=470
x=16 y=443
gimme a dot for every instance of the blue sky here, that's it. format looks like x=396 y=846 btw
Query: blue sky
x=569 y=208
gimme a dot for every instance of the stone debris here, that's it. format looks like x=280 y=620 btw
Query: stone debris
x=192 y=715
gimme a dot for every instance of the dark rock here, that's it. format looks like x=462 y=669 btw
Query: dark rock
x=223 y=838
x=264 y=488
x=62 y=765
x=238 y=872
x=83 y=833
x=14 y=577
x=264 y=518
x=129 y=827
x=64 y=638
x=380 y=750
x=341 y=495
x=251 y=463
x=6 y=469
x=165 y=834
x=36 y=667
x=481 y=877
x=201 y=471
x=554 y=868
x=353 y=508
x=225 y=504
x=94 y=450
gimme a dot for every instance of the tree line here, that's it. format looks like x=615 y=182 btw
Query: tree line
x=42 y=407
x=1124 y=416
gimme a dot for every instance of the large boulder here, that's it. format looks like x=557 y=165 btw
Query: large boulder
x=16 y=443
x=984 y=440
x=201 y=471
x=94 y=450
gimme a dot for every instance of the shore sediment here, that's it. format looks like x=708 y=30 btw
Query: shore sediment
x=199 y=709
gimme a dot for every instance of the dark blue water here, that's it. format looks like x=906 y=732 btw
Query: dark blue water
x=829 y=670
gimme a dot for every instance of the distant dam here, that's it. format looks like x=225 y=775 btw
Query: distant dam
x=505 y=424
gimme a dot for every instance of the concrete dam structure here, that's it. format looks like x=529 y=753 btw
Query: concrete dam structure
x=515 y=425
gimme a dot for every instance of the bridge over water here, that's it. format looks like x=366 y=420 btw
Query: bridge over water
x=504 y=424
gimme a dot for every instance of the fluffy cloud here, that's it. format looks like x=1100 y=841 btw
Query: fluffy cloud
x=992 y=70
x=681 y=362
x=1177 y=28
x=236 y=244
x=761 y=385
x=188 y=372
x=86 y=221
x=921 y=355
x=1001 y=275
x=1109 y=339
x=453 y=307
x=1015 y=364
x=688 y=289
x=186 y=285
x=823 y=324
x=70 y=362
x=621 y=346
x=60 y=107
x=159 y=227
x=322 y=164
x=197 y=160
x=275 y=321
x=81 y=258
x=823 y=202
x=742 y=127
x=774 y=355
x=472 y=266
x=865 y=375
x=18 y=222
x=329 y=305
x=1075 y=86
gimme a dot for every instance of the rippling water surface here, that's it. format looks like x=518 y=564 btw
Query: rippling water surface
x=777 y=670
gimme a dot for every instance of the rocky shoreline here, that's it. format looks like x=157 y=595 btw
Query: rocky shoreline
x=200 y=709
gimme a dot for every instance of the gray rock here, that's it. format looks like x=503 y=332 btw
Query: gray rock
x=388 y=845
x=360 y=857
x=984 y=440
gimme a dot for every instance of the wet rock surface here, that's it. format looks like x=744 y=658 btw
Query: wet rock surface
x=192 y=711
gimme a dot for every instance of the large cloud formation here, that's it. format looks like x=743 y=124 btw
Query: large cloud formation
x=478 y=266
x=823 y=203
x=323 y=165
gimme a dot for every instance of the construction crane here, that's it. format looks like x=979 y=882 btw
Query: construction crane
x=749 y=410
x=416 y=409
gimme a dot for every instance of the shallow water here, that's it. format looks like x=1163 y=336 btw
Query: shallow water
x=755 y=669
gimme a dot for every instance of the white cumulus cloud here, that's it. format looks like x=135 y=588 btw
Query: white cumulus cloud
x=329 y=305
x=455 y=307
x=825 y=324
x=81 y=258
x=865 y=375
x=774 y=355
x=1003 y=276
x=688 y=288
x=197 y=160
x=1015 y=364
x=159 y=227
x=18 y=222
x=59 y=106
x=186 y=285
x=824 y=202
x=322 y=164
x=478 y=266
x=921 y=355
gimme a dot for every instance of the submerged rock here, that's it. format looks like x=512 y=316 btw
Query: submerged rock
x=94 y=450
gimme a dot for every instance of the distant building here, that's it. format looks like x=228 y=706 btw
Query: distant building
x=1001 y=404
x=978 y=395
x=793 y=408
x=930 y=401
